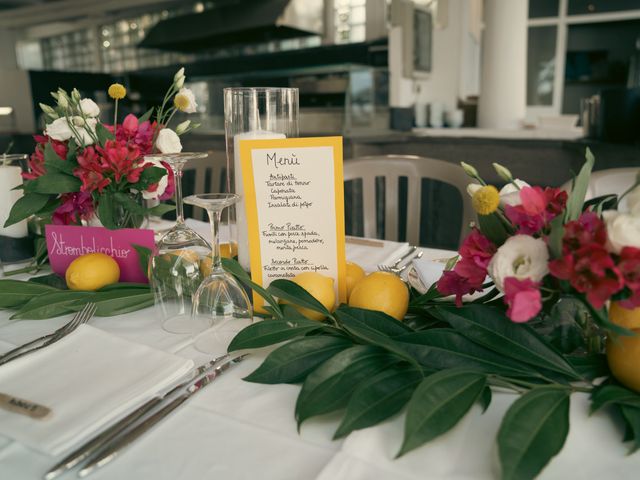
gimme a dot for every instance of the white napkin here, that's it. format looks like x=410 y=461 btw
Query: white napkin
x=87 y=379
x=370 y=257
x=428 y=270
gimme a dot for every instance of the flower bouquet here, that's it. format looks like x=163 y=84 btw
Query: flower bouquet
x=85 y=170
x=547 y=263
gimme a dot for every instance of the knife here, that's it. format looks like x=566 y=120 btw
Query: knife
x=93 y=445
x=117 y=445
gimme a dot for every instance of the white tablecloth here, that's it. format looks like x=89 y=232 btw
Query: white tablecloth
x=239 y=430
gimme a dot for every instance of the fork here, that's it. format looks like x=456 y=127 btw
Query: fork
x=83 y=316
x=396 y=269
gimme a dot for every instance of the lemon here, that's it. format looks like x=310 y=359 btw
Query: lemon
x=381 y=291
x=625 y=317
x=355 y=273
x=623 y=356
x=319 y=287
x=91 y=272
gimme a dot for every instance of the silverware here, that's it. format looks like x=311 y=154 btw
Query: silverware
x=116 y=446
x=396 y=268
x=409 y=253
x=83 y=316
x=93 y=445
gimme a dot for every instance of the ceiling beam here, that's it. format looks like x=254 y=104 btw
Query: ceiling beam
x=39 y=13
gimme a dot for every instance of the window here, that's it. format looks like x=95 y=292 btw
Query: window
x=350 y=21
x=543 y=8
x=581 y=7
x=541 y=58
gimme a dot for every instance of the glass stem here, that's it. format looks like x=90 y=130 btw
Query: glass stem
x=214 y=218
x=177 y=177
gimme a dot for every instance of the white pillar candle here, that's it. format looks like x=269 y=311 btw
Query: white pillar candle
x=10 y=177
x=241 y=213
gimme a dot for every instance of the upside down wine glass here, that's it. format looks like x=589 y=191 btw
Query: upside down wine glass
x=176 y=269
x=220 y=302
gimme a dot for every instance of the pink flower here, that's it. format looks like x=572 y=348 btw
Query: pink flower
x=451 y=283
x=139 y=134
x=171 y=184
x=74 y=207
x=478 y=249
x=523 y=298
x=537 y=209
x=36 y=161
x=629 y=266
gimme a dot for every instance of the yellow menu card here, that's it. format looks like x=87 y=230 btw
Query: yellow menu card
x=294 y=200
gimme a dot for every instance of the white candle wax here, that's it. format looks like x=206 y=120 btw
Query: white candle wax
x=241 y=213
x=10 y=177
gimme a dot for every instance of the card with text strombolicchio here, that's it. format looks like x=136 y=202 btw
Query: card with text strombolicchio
x=294 y=200
x=65 y=243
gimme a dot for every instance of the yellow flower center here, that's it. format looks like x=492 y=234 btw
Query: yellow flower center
x=486 y=200
x=181 y=102
x=117 y=91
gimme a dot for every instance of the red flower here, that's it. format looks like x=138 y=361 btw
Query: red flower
x=538 y=208
x=140 y=134
x=75 y=207
x=590 y=270
x=451 y=283
x=629 y=266
x=523 y=298
x=122 y=160
x=36 y=161
x=478 y=249
x=589 y=228
x=91 y=170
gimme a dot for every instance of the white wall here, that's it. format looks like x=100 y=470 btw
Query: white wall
x=15 y=88
x=455 y=69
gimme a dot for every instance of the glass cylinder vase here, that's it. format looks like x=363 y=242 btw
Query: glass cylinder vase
x=253 y=114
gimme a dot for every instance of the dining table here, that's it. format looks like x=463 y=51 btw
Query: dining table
x=235 y=429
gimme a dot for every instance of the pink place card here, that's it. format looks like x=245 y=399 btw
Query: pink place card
x=65 y=243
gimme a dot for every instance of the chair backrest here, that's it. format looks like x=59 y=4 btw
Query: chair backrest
x=392 y=168
x=209 y=176
x=612 y=180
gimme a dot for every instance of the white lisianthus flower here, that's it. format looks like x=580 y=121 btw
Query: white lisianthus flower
x=59 y=130
x=522 y=257
x=162 y=184
x=168 y=141
x=510 y=195
x=623 y=230
x=185 y=101
x=88 y=131
x=89 y=108
x=182 y=127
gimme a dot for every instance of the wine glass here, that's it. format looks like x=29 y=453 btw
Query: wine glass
x=220 y=301
x=176 y=268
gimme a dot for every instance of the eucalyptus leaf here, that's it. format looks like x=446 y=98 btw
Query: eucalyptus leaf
x=555 y=237
x=438 y=404
x=233 y=267
x=53 y=183
x=26 y=206
x=270 y=332
x=590 y=366
x=52 y=280
x=150 y=176
x=103 y=134
x=605 y=395
x=146 y=115
x=441 y=348
x=378 y=321
x=49 y=305
x=53 y=162
x=144 y=255
x=631 y=417
x=485 y=398
x=490 y=328
x=294 y=360
x=161 y=209
x=329 y=387
x=106 y=211
x=378 y=398
x=579 y=189
x=493 y=228
x=357 y=323
x=14 y=293
x=295 y=294
x=129 y=286
x=533 y=431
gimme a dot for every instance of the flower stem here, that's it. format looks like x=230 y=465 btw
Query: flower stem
x=115 y=119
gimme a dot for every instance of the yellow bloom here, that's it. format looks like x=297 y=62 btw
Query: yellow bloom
x=181 y=102
x=117 y=91
x=486 y=200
